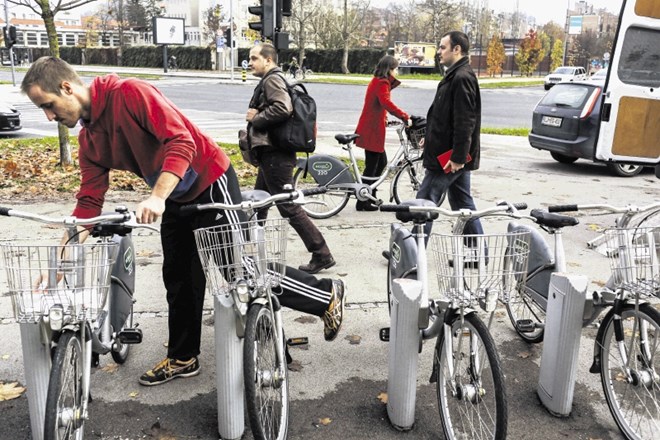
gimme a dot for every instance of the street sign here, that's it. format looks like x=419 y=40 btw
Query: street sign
x=575 y=25
x=244 y=64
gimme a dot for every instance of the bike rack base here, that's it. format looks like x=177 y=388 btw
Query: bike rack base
x=229 y=370
x=561 y=342
x=37 y=364
x=404 y=353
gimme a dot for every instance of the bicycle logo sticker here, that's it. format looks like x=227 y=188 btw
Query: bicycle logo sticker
x=322 y=168
x=128 y=260
x=396 y=253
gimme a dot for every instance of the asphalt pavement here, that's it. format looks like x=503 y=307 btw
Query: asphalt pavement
x=337 y=389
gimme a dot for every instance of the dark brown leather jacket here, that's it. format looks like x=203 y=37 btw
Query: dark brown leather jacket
x=272 y=99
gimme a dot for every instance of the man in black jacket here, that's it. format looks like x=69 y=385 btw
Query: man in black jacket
x=453 y=124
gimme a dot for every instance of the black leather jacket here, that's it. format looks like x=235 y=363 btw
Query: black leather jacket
x=454 y=119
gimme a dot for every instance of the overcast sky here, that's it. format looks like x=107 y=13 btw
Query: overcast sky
x=543 y=10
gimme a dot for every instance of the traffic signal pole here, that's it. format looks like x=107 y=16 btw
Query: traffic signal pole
x=11 y=49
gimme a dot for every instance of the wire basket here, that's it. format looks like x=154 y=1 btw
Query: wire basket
x=415 y=136
x=75 y=276
x=253 y=251
x=472 y=268
x=634 y=256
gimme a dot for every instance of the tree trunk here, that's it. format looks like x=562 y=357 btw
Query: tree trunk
x=344 y=58
x=62 y=130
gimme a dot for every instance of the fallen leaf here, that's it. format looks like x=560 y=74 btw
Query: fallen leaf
x=9 y=391
x=110 y=368
x=382 y=397
x=145 y=253
x=354 y=339
x=133 y=394
x=306 y=319
x=594 y=227
x=5 y=357
x=524 y=354
x=295 y=365
x=325 y=421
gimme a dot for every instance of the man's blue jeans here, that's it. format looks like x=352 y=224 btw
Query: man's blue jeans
x=456 y=186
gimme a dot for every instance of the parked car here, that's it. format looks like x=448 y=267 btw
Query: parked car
x=10 y=118
x=564 y=74
x=601 y=75
x=566 y=123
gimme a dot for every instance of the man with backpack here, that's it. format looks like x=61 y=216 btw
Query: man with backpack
x=271 y=107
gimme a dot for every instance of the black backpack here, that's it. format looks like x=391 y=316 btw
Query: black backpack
x=298 y=133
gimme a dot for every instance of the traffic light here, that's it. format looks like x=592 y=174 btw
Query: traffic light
x=228 y=37
x=266 y=23
x=283 y=9
x=9 y=33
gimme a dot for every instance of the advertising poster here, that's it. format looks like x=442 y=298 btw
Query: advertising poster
x=415 y=54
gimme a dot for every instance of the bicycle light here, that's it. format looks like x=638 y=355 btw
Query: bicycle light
x=55 y=317
x=243 y=291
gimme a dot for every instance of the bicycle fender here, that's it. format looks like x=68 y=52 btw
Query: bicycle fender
x=598 y=344
x=448 y=318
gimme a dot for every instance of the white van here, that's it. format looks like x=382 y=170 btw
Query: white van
x=630 y=114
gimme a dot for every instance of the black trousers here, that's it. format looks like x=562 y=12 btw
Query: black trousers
x=374 y=164
x=275 y=171
x=184 y=277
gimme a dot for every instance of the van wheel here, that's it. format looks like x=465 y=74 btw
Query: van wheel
x=562 y=158
x=547 y=86
x=624 y=169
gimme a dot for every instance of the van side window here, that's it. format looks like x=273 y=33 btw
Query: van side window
x=640 y=57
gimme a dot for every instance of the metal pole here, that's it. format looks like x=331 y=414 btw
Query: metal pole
x=11 y=49
x=568 y=7
x=233 y=38
x=165 y=60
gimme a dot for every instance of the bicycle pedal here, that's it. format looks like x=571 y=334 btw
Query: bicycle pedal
x=384 y=334
x=292 y=342
x=525 y=325
x=130 y=336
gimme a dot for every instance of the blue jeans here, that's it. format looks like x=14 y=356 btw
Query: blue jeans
x=456 y=186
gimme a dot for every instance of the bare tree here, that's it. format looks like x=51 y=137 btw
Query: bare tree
x=47 y=11
x=303 y=13
x=444 y=17
x=351 y=22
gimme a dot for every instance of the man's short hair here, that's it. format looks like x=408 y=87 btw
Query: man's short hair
x=458 y=38
x=48 y=73
x=267 y=50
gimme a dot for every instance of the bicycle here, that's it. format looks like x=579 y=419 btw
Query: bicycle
x=172 y=64
x=243 y=263
x=343 y=181
x=471 y=270
x=627 y=345
x=81 y=296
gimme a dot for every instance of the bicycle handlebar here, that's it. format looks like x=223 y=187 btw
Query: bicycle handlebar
x=629 y=209
x=502 y=208
x=250 y=205
x=122 y=217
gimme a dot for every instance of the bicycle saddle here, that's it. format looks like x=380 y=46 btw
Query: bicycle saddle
x=417 y=217
x=553 y=220
x=255 y=195
x=346 y=138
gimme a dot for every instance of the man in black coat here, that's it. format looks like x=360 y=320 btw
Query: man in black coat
x=453 y=125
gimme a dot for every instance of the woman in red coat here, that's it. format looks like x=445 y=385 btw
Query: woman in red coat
x=373 y=120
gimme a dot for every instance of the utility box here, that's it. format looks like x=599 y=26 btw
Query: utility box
x=404 y=352
x=561 y=342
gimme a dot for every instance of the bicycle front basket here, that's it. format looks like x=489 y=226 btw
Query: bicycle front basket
x=469 y=267
x=415 y=136
x=253 y=251
x=75 y=276
x=634 y=255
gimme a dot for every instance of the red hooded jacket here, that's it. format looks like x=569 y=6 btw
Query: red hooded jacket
x=373 y=120
x=133 y=127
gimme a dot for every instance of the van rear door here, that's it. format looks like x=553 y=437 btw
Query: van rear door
x=630 y=118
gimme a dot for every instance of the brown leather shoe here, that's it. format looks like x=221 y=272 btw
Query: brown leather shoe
x=315 y=266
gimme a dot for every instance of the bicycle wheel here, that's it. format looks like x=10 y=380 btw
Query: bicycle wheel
x=472 y=401
x=527 y=317
x=266 y=382
x=321 y=205
x=64 y=401
x=633 y=399
x=120 y=350
x=407 y=181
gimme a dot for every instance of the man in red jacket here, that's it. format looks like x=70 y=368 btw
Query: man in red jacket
x=129 y=125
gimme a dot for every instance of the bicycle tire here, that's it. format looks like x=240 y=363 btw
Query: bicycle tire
x=120 y=351
x=407 y=180
x=635 y=405
x=64 y=400
x=329 y=203
x=520 y=307
x=477 y=408
x=266 y=391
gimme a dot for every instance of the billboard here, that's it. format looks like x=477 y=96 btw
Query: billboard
x=575 y=25
x=169 y=30
x=419 y=55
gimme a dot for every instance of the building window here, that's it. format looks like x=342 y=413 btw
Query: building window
x=32 y=39
x=70 y=39
x=639 y=63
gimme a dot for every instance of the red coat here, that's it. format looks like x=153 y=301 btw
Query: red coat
x=373 y=120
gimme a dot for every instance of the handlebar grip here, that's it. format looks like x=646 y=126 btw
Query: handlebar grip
x=521 y=205
x=314 y=191
x=189 y=209
x=562 y=208
x=395 y=208
x=4 y=211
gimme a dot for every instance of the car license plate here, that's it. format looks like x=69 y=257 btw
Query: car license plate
x=551 y=121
